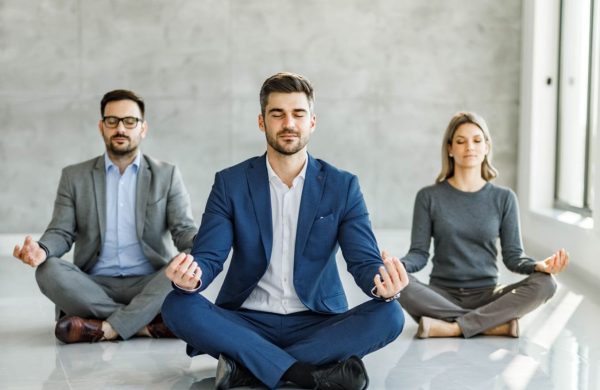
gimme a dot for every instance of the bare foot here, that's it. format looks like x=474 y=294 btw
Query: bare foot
x=431 y=327
x=509 y=329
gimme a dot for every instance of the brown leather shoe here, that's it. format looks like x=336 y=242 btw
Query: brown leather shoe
x=78 y=330
x=159 y=330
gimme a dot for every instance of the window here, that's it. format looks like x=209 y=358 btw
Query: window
x=577 y=105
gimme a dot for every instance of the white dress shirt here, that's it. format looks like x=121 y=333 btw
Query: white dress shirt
x=275 y=292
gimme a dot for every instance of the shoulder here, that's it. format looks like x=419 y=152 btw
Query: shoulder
x=504 y=197
x=156 y=165
x=84 y=166
x=501 y=192
x=331 y=171
x=431 y=191
x=256 y=162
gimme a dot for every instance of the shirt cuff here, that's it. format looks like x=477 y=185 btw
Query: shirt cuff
x=373 y=290
x=392 y=298
x=185 y=290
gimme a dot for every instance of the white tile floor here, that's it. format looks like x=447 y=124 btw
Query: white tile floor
x=559 y=347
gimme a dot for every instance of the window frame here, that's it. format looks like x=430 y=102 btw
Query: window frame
x=592 y=83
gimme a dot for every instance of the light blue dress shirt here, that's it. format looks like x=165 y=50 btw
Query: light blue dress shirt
x=121 y=253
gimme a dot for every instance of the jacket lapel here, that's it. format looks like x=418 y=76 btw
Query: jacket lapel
x=99 y=181
x=311 y=197
x=258 y=183
x=141 y=197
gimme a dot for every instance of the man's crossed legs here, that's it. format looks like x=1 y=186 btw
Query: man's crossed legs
x=101 y=307
x=277 y=348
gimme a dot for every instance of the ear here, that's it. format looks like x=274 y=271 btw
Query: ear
x=144 y=129
x=313 y=123
x=100 y=127
x=261 y=122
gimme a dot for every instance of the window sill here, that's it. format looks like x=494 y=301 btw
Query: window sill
x=566 y=217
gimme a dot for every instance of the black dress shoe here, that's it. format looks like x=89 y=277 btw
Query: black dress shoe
x=231 y=374
x=347 y=375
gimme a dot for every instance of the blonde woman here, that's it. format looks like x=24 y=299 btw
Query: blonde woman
x=465 y=214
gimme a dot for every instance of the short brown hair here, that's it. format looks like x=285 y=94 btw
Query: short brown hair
x=286 y=82
x=121 y=94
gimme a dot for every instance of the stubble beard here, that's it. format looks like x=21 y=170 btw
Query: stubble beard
x=286 y=149
x=127 y=149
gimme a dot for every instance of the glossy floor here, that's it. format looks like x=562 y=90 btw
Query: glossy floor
x=559 y=347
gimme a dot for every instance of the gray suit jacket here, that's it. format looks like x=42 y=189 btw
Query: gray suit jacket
x=79 y=217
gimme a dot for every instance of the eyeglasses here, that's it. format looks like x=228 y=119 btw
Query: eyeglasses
x=112 y=122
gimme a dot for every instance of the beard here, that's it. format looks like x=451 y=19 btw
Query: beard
x=121 y=149
x=287 y=148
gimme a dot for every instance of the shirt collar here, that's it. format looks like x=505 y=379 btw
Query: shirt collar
x=273 y=175
x=108 y=162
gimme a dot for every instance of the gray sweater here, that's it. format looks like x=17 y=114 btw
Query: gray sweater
x=465 y=227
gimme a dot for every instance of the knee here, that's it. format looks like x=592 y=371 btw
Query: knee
x=411 y=299
x=176 y=308
x=397 y=318
x=171 y=308
x=46 y=273
x=412 y=290
x=545 y=285
x=392 y=317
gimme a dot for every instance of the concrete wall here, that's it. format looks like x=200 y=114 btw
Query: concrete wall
x=388 y=75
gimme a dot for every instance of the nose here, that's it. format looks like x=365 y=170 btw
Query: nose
x=121 y=129
x=288 y=122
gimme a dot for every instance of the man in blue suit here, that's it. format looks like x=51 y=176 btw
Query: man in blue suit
x=282 y=314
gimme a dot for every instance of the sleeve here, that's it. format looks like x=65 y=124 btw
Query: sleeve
x=510 y=238
x=185 y=290
x=420 y=238
x=357 y=241
x=62 y=229
x=214 y=240
x=179 y=214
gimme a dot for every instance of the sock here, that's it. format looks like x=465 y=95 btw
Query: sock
x=109 y=332
x=300 y=374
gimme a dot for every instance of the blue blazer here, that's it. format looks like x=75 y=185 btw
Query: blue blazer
x=332 y=214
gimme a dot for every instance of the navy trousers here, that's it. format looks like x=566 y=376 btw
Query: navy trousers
x=268 y=344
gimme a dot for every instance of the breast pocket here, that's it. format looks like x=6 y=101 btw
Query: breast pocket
x=156 y=214
x=322 y=238
x=156 y=198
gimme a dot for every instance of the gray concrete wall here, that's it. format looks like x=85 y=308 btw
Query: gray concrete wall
x=388 y=75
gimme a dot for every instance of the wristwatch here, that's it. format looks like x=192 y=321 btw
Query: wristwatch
x=394 y=297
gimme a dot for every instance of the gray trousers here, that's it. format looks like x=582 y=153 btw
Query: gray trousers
x=477 y=309
x=127 y=303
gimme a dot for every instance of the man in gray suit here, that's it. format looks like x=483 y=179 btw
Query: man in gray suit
x=118 y=209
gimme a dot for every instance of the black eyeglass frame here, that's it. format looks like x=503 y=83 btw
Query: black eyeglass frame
x=123 y=119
